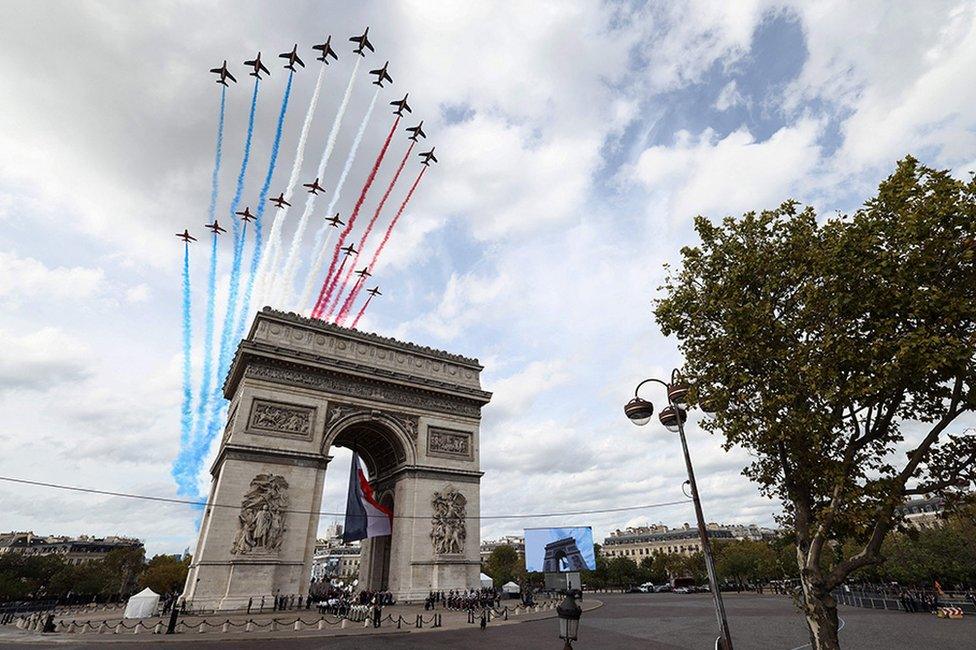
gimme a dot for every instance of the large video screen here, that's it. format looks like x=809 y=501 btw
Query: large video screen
x=558 y=550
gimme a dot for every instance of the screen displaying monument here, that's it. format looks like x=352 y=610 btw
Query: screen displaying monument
x=556 y=550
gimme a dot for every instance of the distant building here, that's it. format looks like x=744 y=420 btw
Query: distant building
x=643 y=541
x=515 y=541
x=74 y=550
x=334 y=558
x=924 y=511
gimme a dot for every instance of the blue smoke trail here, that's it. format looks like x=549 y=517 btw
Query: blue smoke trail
x=186 y=419
x=262 y=201
x=179 y=469
x=187 y=481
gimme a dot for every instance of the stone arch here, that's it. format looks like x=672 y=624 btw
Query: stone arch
x=380 y=439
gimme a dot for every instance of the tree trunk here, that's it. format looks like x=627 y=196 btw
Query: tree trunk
x=820 y=609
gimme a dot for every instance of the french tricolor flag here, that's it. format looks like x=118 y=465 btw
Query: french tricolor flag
x=365 y=517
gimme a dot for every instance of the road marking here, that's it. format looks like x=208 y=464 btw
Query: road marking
x=839 y=628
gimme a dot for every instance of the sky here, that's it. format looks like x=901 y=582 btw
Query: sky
x=577 y=141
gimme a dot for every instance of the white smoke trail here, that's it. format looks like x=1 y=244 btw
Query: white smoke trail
x=282 y=285
x=272 y=252
x=323 y=251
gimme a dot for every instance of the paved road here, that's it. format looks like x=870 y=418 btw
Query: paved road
x=651 y=621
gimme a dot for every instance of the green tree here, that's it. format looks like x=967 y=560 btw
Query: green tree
x=744 y=562
x=818 y=339
x=622 y=572
x=164 y=574
x=504 y=565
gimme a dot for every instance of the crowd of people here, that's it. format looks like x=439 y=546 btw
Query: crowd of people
x=463 y=600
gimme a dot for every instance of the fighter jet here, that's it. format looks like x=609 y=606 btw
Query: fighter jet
x=428 y=156
x=401 y=106
x=363 y=42
x=186 y=236
x=375 y=291
x=292 y=58
x=335 y=221
x=223 y=73
x=381 y=75
x=258 y=67
x=327 y=51
x=314 y=187
x=363 y=273
x=418 y=131
x=350 y=249
x=280 y=201
x=214 y=227
x=246 y=215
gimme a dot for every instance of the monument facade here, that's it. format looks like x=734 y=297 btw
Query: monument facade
x=297 y=388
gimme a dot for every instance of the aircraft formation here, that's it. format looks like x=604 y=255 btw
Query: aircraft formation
x=325 y=53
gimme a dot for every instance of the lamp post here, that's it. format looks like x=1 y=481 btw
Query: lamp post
x=673 y=417
x=569 y=615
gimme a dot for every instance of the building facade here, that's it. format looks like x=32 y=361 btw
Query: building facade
x=645 y=541
x=515 y=541
x=924 y=511
x=73 y=550
x=334 y=558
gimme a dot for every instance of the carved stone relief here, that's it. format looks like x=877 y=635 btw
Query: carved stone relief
x=447 y=443
x=409 y=423
x=261 y=522
x=275 y=417
x=365 y=389
x=448 y=530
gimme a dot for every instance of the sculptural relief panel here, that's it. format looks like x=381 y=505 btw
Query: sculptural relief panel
x=448 y=528
x=261 y=522
x=282 y=419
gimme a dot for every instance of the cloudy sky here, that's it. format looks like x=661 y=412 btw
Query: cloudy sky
x=577 y=141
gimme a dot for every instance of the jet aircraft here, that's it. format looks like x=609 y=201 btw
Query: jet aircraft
x=258 y=67
x=428 y=156
x=350 y=249
x=223 y=73
x=401 y=106
x=280 y=201
x=363 y=273
x=374 y=291
x=246 y=215
x=381 y=75
x=418 y=131
x=327 y=51
x=314 y=187
x=335 y=221
x=292 y=58
x=186 y=236
x=363 y=42
x=214 y=227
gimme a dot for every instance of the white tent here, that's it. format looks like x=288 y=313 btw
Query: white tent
x=511 y=588
x=142 y=605
x=486 y=581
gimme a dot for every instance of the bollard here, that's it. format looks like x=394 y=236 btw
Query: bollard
x=135 y=629
x=118 y=628
x=298 y=625
x=506 y=613
x=101 y=628
x=365 y=622
x=274 y=625
x=344 y=623
x=249 y=625
x=225 y=627
x=71 y=627
x=419 y=622
x=321 y=623
x=159 y=628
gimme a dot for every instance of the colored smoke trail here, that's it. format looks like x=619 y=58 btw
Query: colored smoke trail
x=186 y=413
x=393 y=223
x=361 y=312
x=262 y=201
x=319 y=249
x=317 y=309
x=272 y=253
x=203 y=396
x=369 y=227
x=332 y=279
x=282 y=285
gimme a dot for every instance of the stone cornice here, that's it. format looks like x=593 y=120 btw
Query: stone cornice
x=366 y=337
x=264 y=455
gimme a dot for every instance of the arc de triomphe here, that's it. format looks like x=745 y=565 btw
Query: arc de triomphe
x=297 y=387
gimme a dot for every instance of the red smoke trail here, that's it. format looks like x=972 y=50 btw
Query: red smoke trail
x=320 y=301
x=369 y=228
x=389 y=229
x=361 y=312
x=330 y=279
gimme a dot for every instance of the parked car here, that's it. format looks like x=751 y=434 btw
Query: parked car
x=662 y=588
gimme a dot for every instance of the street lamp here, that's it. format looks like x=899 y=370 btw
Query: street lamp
x=569 y=615
x=673 y=417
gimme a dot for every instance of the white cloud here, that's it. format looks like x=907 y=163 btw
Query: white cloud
x=25 y=278
x=138 y=293
x=729 y=97
x=41 y=359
